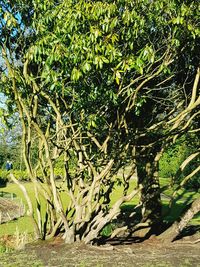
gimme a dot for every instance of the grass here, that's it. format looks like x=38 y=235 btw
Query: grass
x=24 y=224
x=20 y=260
x=118 y=192
x=183 y=199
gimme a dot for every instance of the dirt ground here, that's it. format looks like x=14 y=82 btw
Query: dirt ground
x=151 y=253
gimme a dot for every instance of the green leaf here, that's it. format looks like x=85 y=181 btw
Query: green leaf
x=117 y=77
x=76 y=74
x=86 y=67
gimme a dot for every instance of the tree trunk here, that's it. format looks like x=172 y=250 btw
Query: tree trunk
x=147 y=169
x=171 y=233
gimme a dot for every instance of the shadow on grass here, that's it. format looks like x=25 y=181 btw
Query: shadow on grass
x=189 y=230
x=3 y=182
x=8 y=195
x=172 y=211
x=131 y=215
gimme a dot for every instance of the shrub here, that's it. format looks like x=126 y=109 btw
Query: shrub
x=23 y=175
x=174 y=156
x=171 y=160
x=3 y=177
x=20 y=175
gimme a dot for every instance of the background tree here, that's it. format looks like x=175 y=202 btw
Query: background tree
x=10 y=141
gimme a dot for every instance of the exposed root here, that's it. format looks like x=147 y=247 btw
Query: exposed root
x=119 y=231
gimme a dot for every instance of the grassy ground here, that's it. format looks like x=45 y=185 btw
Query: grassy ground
x=24 y=224
x=147 y=254
x=151 y=253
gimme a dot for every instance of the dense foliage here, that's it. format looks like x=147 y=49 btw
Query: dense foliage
x=173 y=157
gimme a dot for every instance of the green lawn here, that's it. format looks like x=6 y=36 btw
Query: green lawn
x=24 y=224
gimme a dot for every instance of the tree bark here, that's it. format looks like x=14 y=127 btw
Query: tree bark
x=147 y=169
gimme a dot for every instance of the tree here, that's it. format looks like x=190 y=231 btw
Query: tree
x=10 y=141
x=180 y=159
x=98 y=84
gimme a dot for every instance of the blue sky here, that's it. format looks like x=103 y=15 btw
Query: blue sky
x=2 y=100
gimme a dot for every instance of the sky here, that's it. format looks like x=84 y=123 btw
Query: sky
x=2 y=100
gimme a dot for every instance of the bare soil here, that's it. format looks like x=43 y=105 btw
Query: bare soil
x=154 y=253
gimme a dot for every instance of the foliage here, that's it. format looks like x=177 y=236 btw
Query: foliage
x=5 y=249
x=193 y=183
x=20 y=175
x=10 y=142
x=174 y=156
